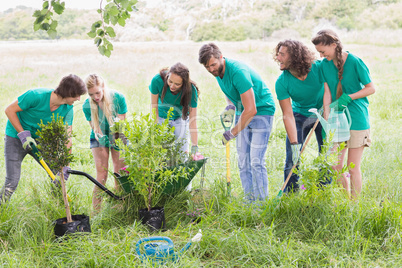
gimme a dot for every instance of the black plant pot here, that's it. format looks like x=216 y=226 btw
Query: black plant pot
x=80 y=223
x=154 y=219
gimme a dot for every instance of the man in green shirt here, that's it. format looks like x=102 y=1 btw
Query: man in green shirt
x=250 y=99
x=25 y=114
x=299 y=88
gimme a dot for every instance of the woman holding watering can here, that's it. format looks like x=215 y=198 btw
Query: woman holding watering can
x=174 y=88
x=102 y=109
x=24 y=116
x=347 y=84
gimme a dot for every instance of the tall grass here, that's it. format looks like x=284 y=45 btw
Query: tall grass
x=302 y=230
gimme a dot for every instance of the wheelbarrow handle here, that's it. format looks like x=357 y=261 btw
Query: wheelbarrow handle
x=97 y=183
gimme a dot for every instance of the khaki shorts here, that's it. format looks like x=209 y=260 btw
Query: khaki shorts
x=359 y=138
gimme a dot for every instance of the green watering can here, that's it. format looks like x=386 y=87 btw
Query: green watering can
x=338 y=122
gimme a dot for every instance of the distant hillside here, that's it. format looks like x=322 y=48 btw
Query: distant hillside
x=225 y=20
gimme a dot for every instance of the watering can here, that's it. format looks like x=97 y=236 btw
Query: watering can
x=338 y=122
x=160 y=249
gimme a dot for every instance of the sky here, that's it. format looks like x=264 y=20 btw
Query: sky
x=78 y=4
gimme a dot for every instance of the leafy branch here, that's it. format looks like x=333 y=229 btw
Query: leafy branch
x=114 y=12
x=44 y=18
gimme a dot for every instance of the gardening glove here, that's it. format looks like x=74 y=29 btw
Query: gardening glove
x=228 y=114
x=341 y=103
x=65 y=173
x=26 y=139
x=295 y=153
x=227 y=136
x=194 y=149
x=197 y=237
x=103 y=140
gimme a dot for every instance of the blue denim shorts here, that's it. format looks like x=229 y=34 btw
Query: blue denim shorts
x=93 y=143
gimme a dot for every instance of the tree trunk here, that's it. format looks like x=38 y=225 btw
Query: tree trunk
x=66 y=205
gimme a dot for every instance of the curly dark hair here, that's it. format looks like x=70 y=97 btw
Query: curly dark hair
x=327 y=37
x=301 y=58
x=182 y=71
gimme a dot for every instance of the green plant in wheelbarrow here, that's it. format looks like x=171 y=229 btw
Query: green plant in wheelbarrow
x=156 y=168
x=53 y=141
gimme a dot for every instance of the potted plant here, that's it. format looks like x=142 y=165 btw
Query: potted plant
x=150 y=151
x=52 y=143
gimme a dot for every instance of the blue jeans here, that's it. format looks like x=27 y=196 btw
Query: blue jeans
x=303 y=126
x=252 y=143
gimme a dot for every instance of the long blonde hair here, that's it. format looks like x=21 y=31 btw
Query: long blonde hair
x=327 y=37
x=91 y=81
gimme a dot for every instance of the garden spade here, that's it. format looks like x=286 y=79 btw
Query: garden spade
x=39 y=157
x=227 y=124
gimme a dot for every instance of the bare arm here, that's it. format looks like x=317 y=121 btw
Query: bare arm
x=154 y=105
x=327 y=100
x=121 y=116
x=364 y=92
x=289 y=120
x=250 y=110
x=193 y=126
x=11 y=112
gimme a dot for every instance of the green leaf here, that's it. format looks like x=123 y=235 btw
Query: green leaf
x=122 y=22
x=108 y=53
x=45 y=5
x=100 y=32
x=36 y=26
x=114 y=20
x=110 y=31
x=58 y=8
x=97 y=24
x=45 y=26
x=101 y=50
x=99 y=10
x=52 y=33
x=37 y=13
x=110 y=47
x=53 y=25
x=91 y=34
x=40 y=19
x=98 y=41
x=113 y=11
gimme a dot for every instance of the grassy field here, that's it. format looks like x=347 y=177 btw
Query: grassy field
x=307 y=230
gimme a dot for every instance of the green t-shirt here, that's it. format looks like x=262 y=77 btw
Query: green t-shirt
x=239 y=78
x=355 y=76
x=119 y=107
x=305 y=94
x=170 y=100
x=35 y=105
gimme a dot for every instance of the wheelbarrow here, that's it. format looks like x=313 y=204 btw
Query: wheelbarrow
x=170 y=189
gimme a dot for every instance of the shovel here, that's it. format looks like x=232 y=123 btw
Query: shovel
x=39 y=157
x=294 y=166
x=226 y=126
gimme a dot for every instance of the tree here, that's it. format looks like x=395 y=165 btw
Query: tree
x=114 y=12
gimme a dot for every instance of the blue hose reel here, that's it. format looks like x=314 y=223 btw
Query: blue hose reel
x=160 y=249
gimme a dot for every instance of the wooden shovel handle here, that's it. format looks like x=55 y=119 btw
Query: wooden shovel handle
x=302 y=150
